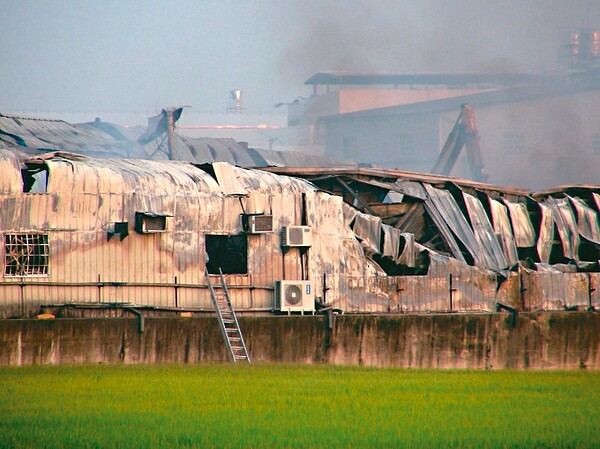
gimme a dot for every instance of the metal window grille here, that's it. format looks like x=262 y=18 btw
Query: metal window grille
x=26 y=255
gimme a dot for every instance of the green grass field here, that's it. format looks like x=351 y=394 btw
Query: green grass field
x=274 y=406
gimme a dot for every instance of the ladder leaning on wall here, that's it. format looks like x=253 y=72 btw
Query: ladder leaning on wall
x=228 y=322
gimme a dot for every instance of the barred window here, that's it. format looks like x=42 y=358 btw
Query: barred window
x=26 y=254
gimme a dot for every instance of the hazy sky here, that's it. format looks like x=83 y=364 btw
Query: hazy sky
x=138 y=56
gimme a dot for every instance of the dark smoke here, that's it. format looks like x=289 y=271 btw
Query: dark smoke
x=425 y=36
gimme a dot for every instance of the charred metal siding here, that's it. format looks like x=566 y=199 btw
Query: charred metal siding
x=483 y=236
x=163 y=269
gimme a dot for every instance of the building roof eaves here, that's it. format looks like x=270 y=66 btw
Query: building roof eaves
x=311 y=172
x=397 y=79
x=478 y=100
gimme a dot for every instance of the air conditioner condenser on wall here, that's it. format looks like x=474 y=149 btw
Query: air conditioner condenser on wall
x=296 y=236
x=294 y=296
x=257 y=223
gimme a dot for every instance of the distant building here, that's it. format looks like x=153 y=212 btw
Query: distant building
x=536 y=131
x=532 y=137
x=337 y=93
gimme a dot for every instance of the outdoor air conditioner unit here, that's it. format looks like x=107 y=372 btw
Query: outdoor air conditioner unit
x=150 y=222
x=257 y=223
x=294 y=296
x=296 y=236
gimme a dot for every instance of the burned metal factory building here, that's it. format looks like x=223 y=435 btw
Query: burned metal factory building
x=91 y=233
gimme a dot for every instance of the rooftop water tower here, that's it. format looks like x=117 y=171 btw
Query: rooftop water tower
x=236 y=101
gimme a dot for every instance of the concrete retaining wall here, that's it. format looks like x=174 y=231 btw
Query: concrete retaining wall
x=483 y=341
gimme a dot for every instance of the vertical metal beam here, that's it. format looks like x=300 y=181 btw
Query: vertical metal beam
x=170 y=133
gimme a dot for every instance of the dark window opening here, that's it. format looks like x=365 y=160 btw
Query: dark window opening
x=26 y=255
x=227 y=252
x=391 y=268
x=149 y=222
x=35 y=180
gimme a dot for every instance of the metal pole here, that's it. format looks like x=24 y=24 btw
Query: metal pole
x=170 y=134
x=450 y=290
x=176 y=295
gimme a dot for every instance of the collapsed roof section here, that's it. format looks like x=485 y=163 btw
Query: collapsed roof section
x=479 y=224
x=27 y=137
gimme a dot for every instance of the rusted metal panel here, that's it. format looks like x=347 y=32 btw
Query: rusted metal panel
x=596 y=198
x=587 y=220
x=546 y=233
x=566 y=226
x=10 y=181
x=167 y=269
x=445 y=230
x=326 y=256
x=521 y=224
x=391 y=242
x=554 y=290
x=227 y=179
x=448 y=286
x=368 y=229
x=408 y=255
x=449 y=210
x=484 y=233
x=503 y=230
x=411 y=188
x=308 y=172
x=11 y=208
x=422 y=293
x=594 y=290
x=509 y=291
x=472 y=288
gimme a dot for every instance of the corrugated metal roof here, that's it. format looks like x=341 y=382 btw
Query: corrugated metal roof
x=566 y=226
x=34 y=136
x=10 y=181
x=587 y=220
x=450 y=212
x=204 y=150
x=487 y=233
x=115 y=176
x=503 y=229
x=570 y=189
x=99 y=139
x=525 y=236
x=69 y=173
x=228 y=180
x=389 y=174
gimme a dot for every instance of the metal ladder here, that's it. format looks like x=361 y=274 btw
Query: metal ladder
x=228 y=322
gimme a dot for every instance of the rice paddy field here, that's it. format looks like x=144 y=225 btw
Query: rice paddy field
x=282 y=406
